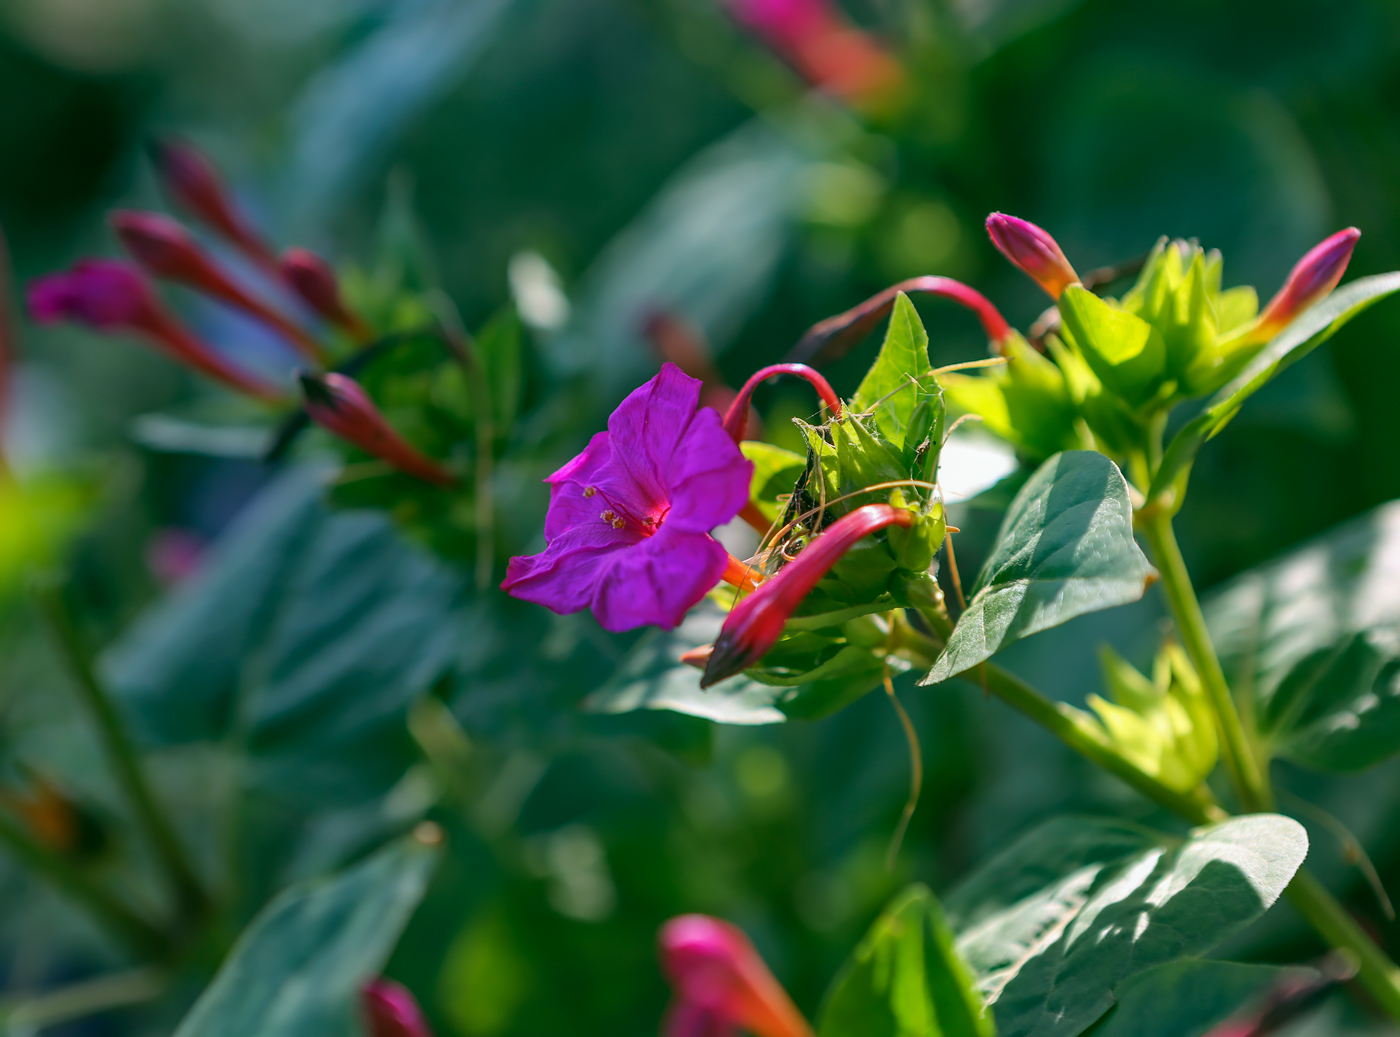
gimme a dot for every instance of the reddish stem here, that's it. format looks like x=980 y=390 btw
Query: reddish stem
x=736 y=421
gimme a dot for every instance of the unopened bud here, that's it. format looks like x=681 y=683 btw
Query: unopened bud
x=390 y=1010
x=168 y=251
x=111 y=296
x=834 y=337
x=1033 y=250
x=312 y=278
x=340 y=405
x=736 y=420
x=192 y=181
x=756 y=623
x=1312 y=279
x=720 y=979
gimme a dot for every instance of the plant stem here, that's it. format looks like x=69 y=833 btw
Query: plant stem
x=1062 y=721
x=120 y=920
x=124 y=760
x=1377 y=973
x=1248 y=777
x=80 y=1000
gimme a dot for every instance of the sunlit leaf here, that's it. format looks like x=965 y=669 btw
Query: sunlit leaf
x=1065 y=548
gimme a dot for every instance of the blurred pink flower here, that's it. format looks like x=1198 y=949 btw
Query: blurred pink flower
x=390 y=1010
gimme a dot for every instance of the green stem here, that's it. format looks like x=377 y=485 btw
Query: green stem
x=144 y=938
x=1065 y=723
x=124 y=760
x=1248 y=777
x=1377 y=973
x=84 y=999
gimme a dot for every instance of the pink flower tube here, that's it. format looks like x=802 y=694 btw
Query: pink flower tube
x=756 y=623
x=390 y=1010
x=1311 y=280
x=312 y=278
x=721 y=983
x=340 y=405
x=1033 y=250
x=736 y=421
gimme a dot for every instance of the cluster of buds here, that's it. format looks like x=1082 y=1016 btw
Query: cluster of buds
x=721 y=984
x=117 y=296
x=821 y=44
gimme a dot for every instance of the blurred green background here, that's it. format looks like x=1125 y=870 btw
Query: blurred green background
x=656 y=157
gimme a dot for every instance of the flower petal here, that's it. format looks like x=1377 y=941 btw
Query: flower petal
x=648 y=426
x=657 y=581
x=708 y=475
x=564 y=576
x=568 y=506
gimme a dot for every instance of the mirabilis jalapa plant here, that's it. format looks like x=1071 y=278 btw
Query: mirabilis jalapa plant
x=842 y=594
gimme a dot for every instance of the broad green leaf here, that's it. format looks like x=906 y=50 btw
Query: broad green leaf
x=1126 y=353
x=298 y=968
x=1338 y=709
x=1190 y=998
x=653 y=677
x=1065 y=548
x=1312 y=637
x=310 y=630
x=905 y=979
x=1296 y=341
x=775 y=472
x=1053 y=924
x=900 y=377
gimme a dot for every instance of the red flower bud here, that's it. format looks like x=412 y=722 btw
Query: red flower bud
x=167 y=250
x=756 y=623
x=192 y=181
x=391 y=1011
x=1314 y=276
x=736 y=420
x=720 y=981
x=1033 y=250
x=834 y=337
x=312 y=278
x=339 y=404
x=110 y=295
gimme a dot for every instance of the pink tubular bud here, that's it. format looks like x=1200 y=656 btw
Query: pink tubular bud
x=110 y=296
x=168 y=251
x=736 y=420
x=1033 y=250
x=192 y=181
x=756 y=623
x=834 y=337
x=340 y=405
x=312 y=278
x=720 y=981
x=391 y=1011
x=1312 y=279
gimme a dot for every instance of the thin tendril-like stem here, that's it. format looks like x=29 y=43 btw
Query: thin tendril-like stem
x=953 y=572
x=1351 y=848
x=916 y=772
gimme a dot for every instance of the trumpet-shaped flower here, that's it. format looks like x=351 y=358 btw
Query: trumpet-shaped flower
x=721 y=983
x=1033 y=250
x=630 y=517
x=340 y=405
x=109 y=295
x=756 y=623
x=1311 y=279
x=168 y=251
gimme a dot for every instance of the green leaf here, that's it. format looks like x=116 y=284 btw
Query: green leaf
x=653 y=677
x=1053 y=924
x=1065 y=548
x=1296 y=341
x=905 y=979
x=500 y=346
x=311 y=630
x=1128 y=354
x=298 y=968
x=900 y=377
x=1190 y=998
x=1314 y=637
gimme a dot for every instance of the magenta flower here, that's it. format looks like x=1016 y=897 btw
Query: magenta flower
x=1312 y=278
x=1033 y=250
x=630 y=517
